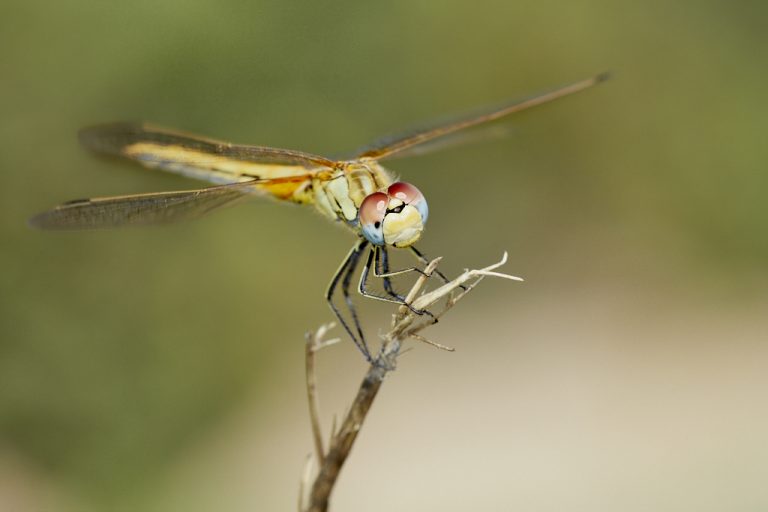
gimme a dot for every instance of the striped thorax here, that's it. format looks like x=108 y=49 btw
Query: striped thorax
x=364 y=195
x=340 y=197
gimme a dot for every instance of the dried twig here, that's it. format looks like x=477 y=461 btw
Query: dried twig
x=306 y=476
x=405 y=324
x=314 y=342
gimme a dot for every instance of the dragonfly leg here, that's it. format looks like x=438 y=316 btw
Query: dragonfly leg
x=345 y=283
x=423 y=259
x=344 y=275
x=381 y=269
x=393 y=297
x=381 y=266
x=382 y=262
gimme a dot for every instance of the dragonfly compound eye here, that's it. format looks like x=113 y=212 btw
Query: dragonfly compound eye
x=409 y=194
x=405 y=214
x=371 y=214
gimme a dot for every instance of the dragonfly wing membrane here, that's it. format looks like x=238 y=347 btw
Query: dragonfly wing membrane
x=140 y=209
x=390 y=146
x=199 y=157
x=455 y=140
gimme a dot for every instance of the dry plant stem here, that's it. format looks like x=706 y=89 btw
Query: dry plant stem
x=314 y=342
x=342 y=442
x=314 y=419
x=404 y=325
x=304 y=482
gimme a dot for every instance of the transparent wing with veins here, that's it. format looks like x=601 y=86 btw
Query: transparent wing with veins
x=142 y=209
x=241 y=171
x=398 y=144
x=199 y=157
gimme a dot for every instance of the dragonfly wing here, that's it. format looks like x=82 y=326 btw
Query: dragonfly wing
x=199 y=157
x=455 y=140
x=390 y=146
x=141 y=209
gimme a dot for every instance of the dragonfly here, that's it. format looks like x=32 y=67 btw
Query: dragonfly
x=357 y=192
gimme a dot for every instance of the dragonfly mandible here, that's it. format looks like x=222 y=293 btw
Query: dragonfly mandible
x=357 y=192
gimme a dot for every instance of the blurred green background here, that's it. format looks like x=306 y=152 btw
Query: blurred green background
x=161 y=369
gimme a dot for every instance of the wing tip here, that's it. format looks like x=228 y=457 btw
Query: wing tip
x=56 y=219
x=602 y=77
x=107 y=137
x=40 y=221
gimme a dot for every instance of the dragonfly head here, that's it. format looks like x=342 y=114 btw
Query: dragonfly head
x=395 y=217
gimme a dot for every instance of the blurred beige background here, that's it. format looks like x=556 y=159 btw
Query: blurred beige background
x=161 y=369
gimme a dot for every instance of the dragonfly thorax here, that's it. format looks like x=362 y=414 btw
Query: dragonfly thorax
x=340 y=195
x=362 y=195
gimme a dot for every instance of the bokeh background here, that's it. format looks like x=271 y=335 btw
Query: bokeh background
x=162 y=369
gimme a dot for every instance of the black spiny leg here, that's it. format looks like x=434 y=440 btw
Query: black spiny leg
x=393 y=298
x=344 y=274
x=423 y=259
x=382 y=259
x=381 y=268
x=345 y=282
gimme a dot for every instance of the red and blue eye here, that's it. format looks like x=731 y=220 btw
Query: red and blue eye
x=409 y=194
x=371 y=216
